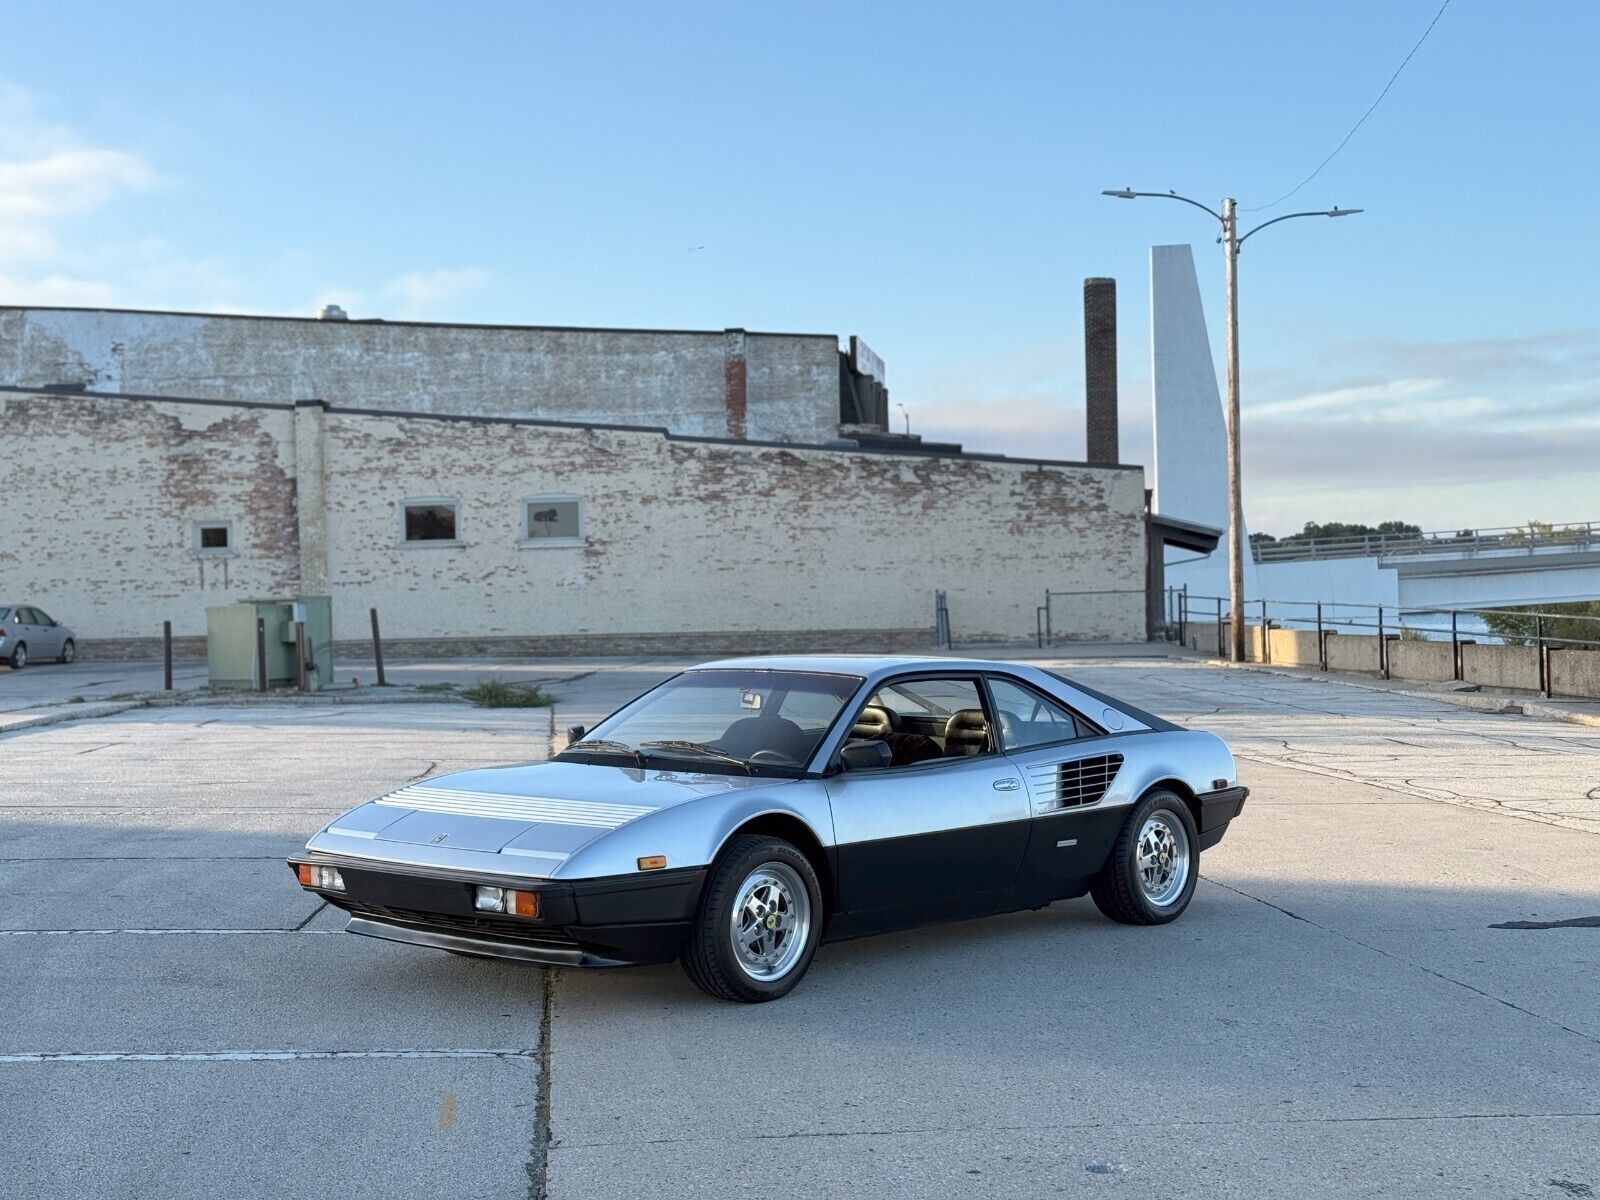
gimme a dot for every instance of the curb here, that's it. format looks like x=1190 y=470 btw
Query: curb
x=74 y=712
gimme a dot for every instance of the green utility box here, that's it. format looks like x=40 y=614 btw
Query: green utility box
x=233 y=657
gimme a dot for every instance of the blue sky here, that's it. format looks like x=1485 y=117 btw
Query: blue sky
x=926 y=176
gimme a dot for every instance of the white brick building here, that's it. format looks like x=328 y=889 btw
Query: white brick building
x=518 y=533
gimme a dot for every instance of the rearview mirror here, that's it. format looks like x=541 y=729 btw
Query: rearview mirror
x=575 y=733
x=865 y=755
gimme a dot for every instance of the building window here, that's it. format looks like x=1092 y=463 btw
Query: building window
x=213 y=539
x=549 y=521
x=430 y=521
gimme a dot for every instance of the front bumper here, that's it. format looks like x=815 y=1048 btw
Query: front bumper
x=1216 y=810
x=619 y=920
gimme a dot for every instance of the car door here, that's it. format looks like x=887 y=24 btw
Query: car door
x=930 y=839
x=33 y=635
x=49 y=634
x=1069 y=766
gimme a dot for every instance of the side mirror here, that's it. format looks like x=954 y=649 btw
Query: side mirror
x=865 y=755
x=575 y=733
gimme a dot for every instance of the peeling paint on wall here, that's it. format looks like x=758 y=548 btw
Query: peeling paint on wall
x=682 y=536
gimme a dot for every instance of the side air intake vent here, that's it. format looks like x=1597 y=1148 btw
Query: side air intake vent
x=1074 y=784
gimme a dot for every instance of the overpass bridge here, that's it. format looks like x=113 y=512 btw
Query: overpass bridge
x=1536 y=564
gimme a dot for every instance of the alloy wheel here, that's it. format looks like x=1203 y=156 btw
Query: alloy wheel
x=771 y=921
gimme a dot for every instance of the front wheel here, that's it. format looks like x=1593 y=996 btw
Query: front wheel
x=69 y=651
x=1151 y=874
x=758 y=924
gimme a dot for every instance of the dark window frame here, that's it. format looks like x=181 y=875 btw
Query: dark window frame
x=403 y=511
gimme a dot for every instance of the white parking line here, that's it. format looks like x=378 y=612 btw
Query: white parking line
x=257 y=1055
x=164 y=932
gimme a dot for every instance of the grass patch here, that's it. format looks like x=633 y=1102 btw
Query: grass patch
x=436 y=687
x=492 y=693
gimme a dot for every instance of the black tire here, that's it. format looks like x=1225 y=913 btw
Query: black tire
x=19 y=656
x=69 y=651
x=1119 y=890
x=710 y=959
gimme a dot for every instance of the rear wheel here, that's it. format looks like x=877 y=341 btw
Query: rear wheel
x=69 y=650
x=1154 y=864
x=758 y=924
x=19 y=656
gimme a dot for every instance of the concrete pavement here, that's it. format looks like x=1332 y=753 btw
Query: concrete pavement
x=1341 y=1012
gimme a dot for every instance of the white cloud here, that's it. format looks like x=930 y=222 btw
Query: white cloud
x=1487 y=431
x=48 y=177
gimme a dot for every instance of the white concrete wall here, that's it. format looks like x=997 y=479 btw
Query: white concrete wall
x=674 y=380
x=683 y=537
x=1190 y=480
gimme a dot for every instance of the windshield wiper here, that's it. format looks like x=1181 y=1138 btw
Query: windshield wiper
x=700 y=748
x=603 y=746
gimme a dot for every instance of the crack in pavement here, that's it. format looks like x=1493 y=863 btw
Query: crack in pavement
x=537 y=1167
x=1392 y=957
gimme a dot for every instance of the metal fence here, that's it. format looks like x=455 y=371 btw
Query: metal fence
x=1459 y=626
x=1045 y=616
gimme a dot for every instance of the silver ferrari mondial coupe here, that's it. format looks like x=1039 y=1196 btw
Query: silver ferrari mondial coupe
x=744 y=811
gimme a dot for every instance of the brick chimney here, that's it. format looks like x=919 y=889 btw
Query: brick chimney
x=1100 y=368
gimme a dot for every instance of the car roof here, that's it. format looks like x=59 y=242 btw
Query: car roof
x=853 y=664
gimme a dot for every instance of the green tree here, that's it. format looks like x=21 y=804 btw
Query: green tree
x=1579 y=623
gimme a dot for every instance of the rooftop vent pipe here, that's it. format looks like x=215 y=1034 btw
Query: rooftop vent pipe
x=332 y=312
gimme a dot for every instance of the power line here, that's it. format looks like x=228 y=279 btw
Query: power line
x=1364 y=116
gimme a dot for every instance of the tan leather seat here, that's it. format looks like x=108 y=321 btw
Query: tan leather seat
x=966 y=733
x=875 y=721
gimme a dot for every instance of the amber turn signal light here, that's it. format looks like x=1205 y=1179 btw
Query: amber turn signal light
x=653 y=862
x=524 y=904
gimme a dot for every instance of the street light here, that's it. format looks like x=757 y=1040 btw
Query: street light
x=1229 y=220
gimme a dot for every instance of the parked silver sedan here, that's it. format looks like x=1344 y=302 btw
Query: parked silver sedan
x=28 y=633
x=743 y=812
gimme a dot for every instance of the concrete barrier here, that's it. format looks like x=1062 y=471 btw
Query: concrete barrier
x=1353 y=652
x=1430 y=661
x=1575 y=673
x=1501 y=667
x=1294 y=647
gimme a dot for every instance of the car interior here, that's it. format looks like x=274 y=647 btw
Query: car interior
x=940 y=719
x=923 y=720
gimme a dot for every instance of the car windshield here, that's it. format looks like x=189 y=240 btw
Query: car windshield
x=4 y=613
x=740 y=721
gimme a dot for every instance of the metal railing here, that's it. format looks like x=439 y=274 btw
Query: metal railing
x=1461 y=627
x=1532 y=539
x=1044 y=614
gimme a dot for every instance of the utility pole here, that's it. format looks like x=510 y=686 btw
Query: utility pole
x=1231 y=240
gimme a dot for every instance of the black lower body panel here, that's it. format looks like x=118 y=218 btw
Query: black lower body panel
x=1216 y=810
x=617 y=921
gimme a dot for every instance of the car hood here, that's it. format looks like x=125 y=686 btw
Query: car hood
x=540 y=813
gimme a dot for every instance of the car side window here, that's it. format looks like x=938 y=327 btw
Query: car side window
x=926 y=719
x=40 y=617
x=27 y=616
x=1028 y=718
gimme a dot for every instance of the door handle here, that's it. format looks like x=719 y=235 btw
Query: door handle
x=1006 y=785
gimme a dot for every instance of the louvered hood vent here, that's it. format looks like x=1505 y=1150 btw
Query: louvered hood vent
x=1074 y=784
